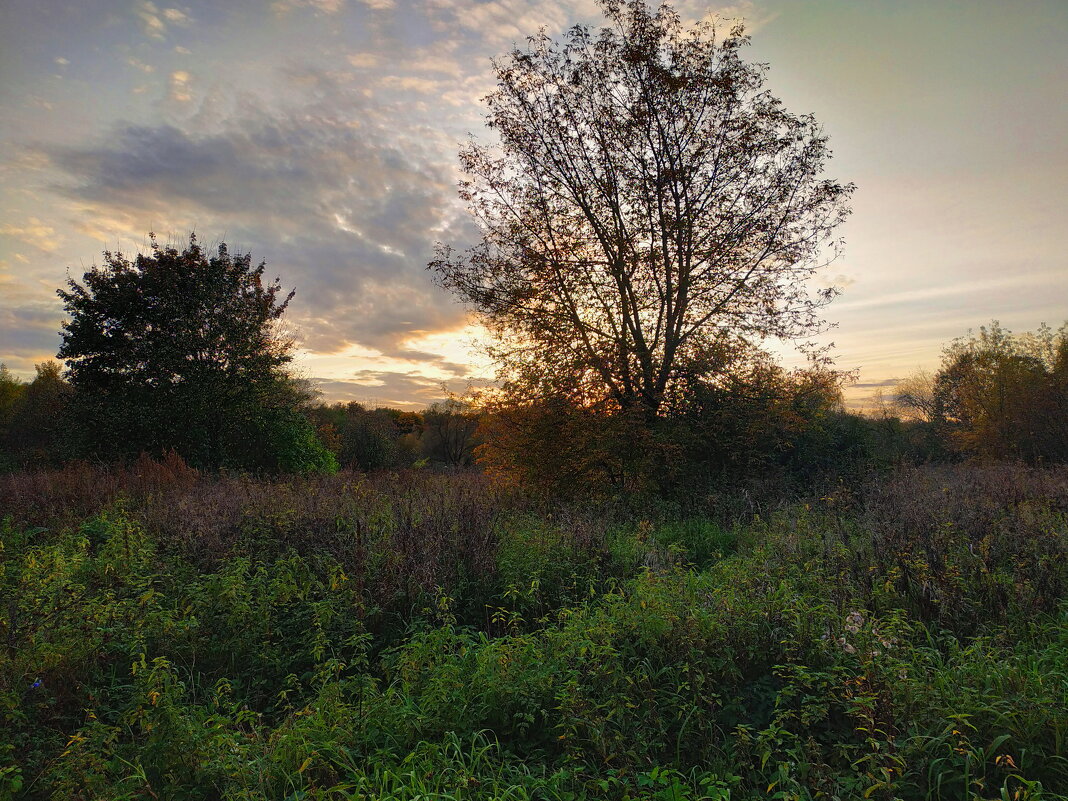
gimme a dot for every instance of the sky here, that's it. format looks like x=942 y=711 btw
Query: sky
x=322 y=137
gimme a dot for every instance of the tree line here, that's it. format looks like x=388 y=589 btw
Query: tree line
x=997 y=395
x=41 y=420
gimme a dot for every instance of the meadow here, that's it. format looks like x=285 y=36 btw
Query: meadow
x=168 y=634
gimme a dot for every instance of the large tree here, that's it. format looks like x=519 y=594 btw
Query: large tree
x=179 y=349
x=647 y=202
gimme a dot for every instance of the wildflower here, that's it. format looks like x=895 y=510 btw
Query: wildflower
x=37 y=683
x=849 y=649
x=854 y=620
x=885 y=640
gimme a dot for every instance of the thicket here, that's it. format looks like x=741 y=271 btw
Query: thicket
x=419 y=635
x=444 y=434
x=997 y=395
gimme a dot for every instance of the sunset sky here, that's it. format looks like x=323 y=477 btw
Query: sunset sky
x=322 y=136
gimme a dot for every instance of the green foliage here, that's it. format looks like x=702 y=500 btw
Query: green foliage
x=11 y=391
x=11 y=388
x=701 y=541
x=368 y=439
x=181 y=350
x=33 y=418
x=909 y=643
x=283 y=440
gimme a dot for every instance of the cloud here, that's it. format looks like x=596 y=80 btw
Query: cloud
x=837 y=281
x=33 y=233
x=405 y=390
x=180 y=86
x=154 y=21
x=435 y=62
x=869 y=396
x=383 y=388
x=61 y=61
x=884 y=384
x=28 y=332
x=411 y=83
x=346 y=213
x=151 y=23
x=500 y=21
x=319 y=6
x=141 y=65
x=364 y=60
x=725 y=16
x=176 y=16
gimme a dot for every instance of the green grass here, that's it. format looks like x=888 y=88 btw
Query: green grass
x=841 y=649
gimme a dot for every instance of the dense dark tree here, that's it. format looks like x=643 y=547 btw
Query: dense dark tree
x=36 y=432
x=11 y=390
x=449 y=429
x=368 y=439
x=647 y=201
x=180 y=350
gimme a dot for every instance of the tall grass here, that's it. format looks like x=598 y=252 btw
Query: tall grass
x=425 y=636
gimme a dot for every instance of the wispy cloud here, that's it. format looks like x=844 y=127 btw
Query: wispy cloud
x=397 y=389
x=364 y=60
x=749 y=13
x=176 y=16
x=181 y=86
x=34 y=233
x=136 y=63
x=319 y=6
x=154 y=20
x=340 y=211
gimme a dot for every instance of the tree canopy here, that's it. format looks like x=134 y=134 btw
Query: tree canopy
x=647 y=202
x=180 y=350
x=1004 y=395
